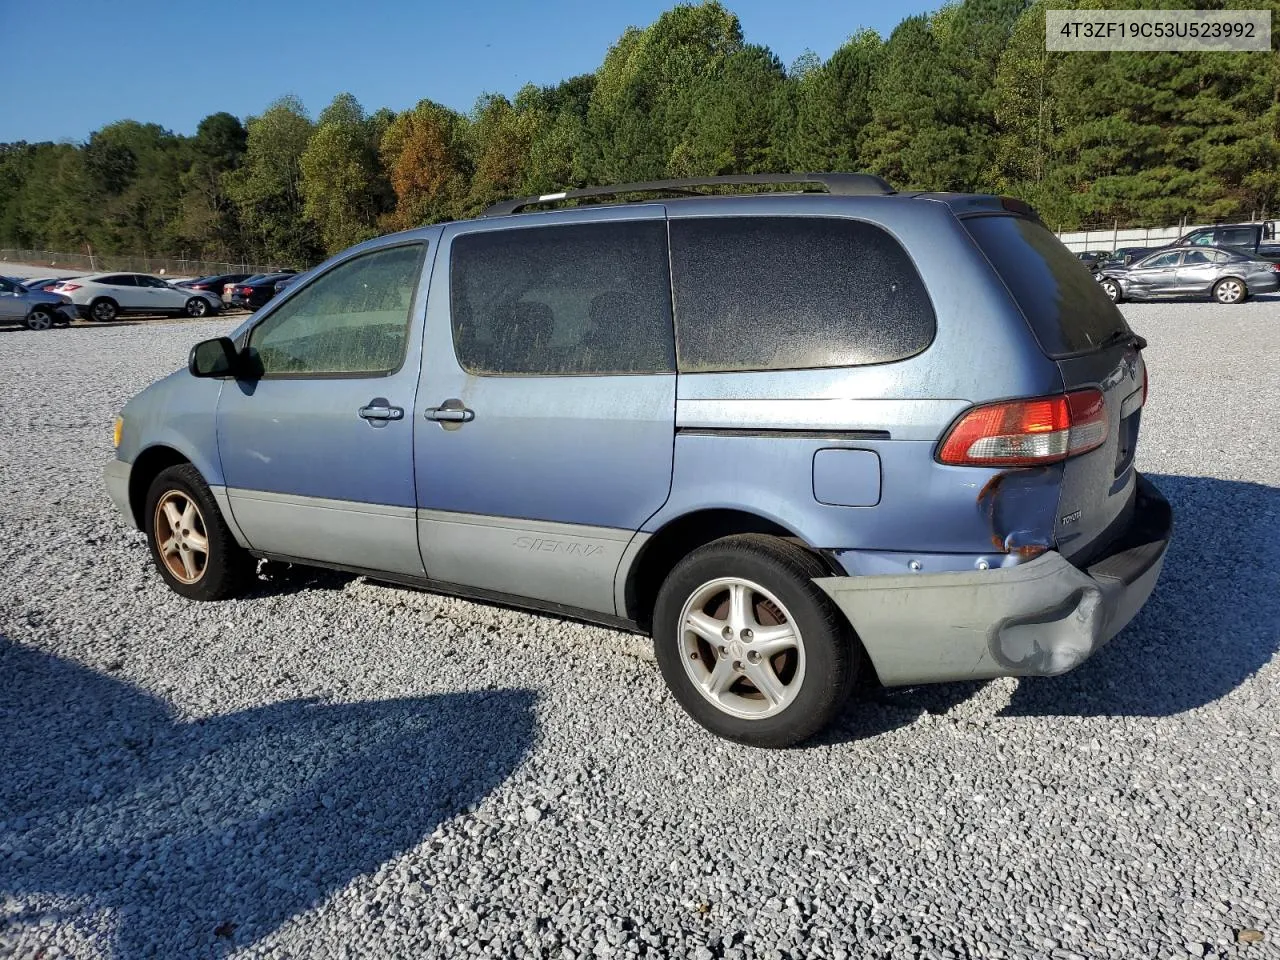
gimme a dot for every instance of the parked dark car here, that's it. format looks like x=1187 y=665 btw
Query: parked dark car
x=1229 y=276
x=42 y=284
x=256 y=291
x=1258 y=239
x=215 y=282
x=281 y=285
x=1123 y=256
x=1091 y=258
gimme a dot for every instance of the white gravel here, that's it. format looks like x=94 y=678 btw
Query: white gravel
x=336 y=768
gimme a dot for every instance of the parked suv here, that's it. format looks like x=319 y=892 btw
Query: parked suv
x=797 y=438
x=1258 y=239
x=106 y=296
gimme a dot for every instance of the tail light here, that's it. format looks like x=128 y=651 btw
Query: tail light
x=246 y=291
x=1024 y=433
x=67 y=287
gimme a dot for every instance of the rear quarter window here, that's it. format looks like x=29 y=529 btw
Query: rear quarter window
x=1065 y=307
x=792 y=293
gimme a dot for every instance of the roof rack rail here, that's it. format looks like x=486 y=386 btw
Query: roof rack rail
x=837 y=184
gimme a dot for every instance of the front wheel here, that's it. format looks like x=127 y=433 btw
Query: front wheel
x=190 y=543
x=1230 y=290
x=197 y=307
x=1112 y=290
x=749 y=646
x=39 y=320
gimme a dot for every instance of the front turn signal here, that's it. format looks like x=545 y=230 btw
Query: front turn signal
x=115 y=434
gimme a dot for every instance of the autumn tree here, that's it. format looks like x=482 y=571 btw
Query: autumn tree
x=424 y=152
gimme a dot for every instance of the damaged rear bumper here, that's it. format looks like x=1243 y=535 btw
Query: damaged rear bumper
x=1039 y=618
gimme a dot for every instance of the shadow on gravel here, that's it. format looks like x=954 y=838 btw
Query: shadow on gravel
x=1213 y=621
x=279 y=579
x=877 y=710
x=201 y=837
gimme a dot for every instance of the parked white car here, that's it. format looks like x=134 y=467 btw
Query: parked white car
x=105 y=296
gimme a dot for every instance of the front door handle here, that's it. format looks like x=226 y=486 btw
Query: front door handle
x=379 y=412
x=451 y=411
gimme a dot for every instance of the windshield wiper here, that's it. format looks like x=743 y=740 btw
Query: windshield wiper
x=1123 y=336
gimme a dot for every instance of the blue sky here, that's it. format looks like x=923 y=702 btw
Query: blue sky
x=71 y=67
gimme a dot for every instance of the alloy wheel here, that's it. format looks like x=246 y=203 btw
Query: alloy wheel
x=1230 y=291
x=741 y=648
x=181 y=536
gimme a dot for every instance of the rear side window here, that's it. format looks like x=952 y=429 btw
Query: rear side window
x=1065 y=306
x=791 y=293
x=1237 y=237
x=119 y=280
x=1198 y=257
x=568 y=300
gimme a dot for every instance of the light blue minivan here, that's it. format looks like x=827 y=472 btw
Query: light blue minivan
x=797 y=437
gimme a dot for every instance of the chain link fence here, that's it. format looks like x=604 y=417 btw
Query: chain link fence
x=162 y=266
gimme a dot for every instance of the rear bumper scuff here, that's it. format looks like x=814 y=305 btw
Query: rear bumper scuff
x=1039 y=618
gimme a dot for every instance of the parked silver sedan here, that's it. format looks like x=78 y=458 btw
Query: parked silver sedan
x=1228 y=276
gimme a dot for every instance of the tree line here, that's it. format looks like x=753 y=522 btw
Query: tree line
x=963 y=99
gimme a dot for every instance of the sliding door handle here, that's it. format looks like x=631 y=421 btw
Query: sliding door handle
x=451 y=411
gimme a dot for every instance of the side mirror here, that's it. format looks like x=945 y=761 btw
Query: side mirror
x=214 y=358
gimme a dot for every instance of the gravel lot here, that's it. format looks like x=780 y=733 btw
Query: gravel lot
x=336 y=768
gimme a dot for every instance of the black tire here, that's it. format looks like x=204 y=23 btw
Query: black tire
x=197 y=307
x=1226 y=286
x=104 y=310
x=832 y=655
x=228 y=569
x=40 y=320
x=1112 y=290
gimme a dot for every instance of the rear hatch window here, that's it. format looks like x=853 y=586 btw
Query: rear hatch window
x=1065 y=306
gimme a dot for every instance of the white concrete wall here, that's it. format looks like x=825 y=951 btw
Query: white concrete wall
x=1110 y=239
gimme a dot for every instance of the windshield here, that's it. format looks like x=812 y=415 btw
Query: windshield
x=1064 y=305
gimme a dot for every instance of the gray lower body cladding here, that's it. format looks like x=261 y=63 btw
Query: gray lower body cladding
x=1039 y=618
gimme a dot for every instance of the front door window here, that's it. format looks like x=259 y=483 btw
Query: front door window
x=351 y=321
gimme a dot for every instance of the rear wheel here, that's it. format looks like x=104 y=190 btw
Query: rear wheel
x=190 y=543
x=1112 y=290
x=104 y=310
x=749 y=646
x=197 y=307
x=1230 y=290
x=39 y=320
